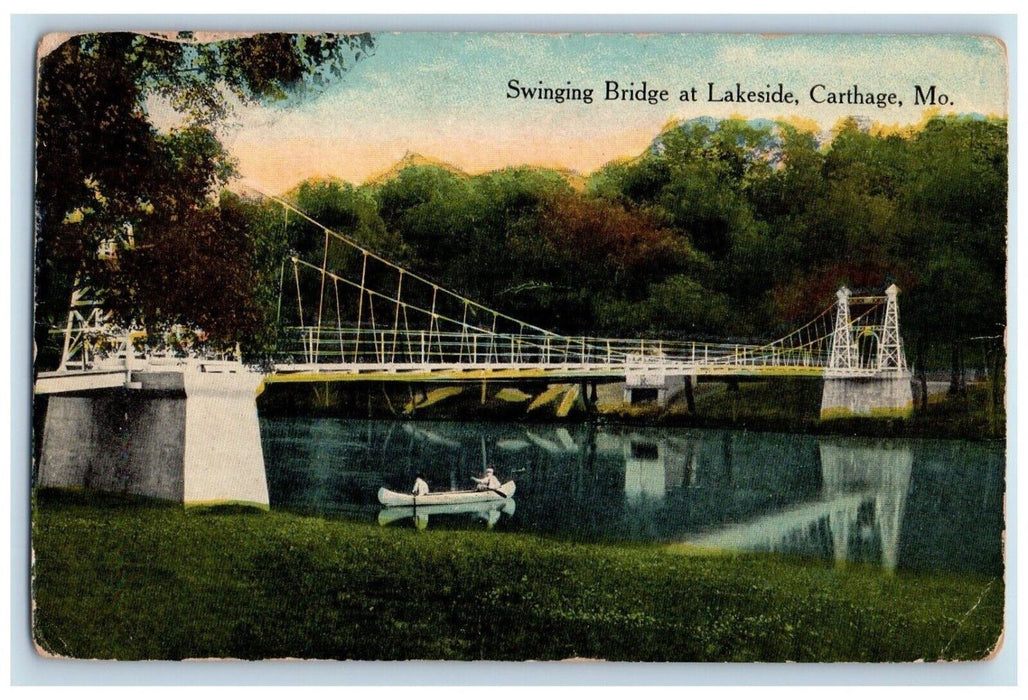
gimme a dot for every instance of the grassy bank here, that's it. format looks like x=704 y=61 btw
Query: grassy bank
x=125 y=579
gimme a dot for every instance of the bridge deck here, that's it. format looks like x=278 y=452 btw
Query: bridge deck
x=111 y=377
x=78 y=380
x=472 y=372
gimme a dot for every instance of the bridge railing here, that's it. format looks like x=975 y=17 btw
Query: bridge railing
x=354 y=347
x=384 y=348
x=311 y=345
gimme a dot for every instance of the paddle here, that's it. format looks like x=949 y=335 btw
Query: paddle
x=489 y=488
x=485 y=464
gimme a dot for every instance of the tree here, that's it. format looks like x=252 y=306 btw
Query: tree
x=221 y=282
x=104 y=171
x=431 y=209
x=346 y=210
x=952 y=235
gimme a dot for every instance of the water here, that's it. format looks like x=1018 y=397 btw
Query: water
x=900 y=504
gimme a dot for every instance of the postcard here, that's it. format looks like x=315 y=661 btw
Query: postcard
x=513 y=346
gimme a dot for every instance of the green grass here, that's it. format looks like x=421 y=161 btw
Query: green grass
x=132 y=579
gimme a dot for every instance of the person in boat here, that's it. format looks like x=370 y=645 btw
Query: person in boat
x=488 y=482
x=420 y=486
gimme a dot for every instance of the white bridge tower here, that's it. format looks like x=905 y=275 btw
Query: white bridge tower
x=867 y=372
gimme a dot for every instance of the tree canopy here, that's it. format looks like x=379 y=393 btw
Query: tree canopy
x=108 y=178
x=721 y=229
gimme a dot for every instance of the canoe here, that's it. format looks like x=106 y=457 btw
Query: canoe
x=482 y=509
x=394 y=498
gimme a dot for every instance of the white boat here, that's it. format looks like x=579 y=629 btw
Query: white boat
x=394 y=498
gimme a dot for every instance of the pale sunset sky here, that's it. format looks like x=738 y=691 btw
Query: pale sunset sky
x=445 y=97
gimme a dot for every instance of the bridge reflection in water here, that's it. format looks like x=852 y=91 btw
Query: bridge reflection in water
x=894 y=503
x=863 y=493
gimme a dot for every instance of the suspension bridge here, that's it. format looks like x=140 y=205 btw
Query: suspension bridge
x=346 y=313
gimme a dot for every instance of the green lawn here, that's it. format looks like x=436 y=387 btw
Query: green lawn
x=132 y=579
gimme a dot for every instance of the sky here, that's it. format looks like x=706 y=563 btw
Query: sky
x=446 y=97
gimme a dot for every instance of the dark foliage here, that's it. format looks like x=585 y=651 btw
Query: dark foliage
x=111 y=187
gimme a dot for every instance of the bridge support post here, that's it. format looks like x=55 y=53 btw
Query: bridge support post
x=690 y=397
x=652 y=384
x=853 y=389
x=587 y=390
x=186 y=436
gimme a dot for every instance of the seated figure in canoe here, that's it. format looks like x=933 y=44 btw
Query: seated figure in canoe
x=420 y=487
x=488 y=482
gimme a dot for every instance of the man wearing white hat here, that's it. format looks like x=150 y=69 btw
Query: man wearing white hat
x=487 y=482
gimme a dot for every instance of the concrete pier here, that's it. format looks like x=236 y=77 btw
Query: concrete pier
x=883 y=396
x=183 y=435
x=651 y=383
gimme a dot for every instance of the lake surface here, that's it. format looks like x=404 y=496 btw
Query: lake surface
x=900 y=504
